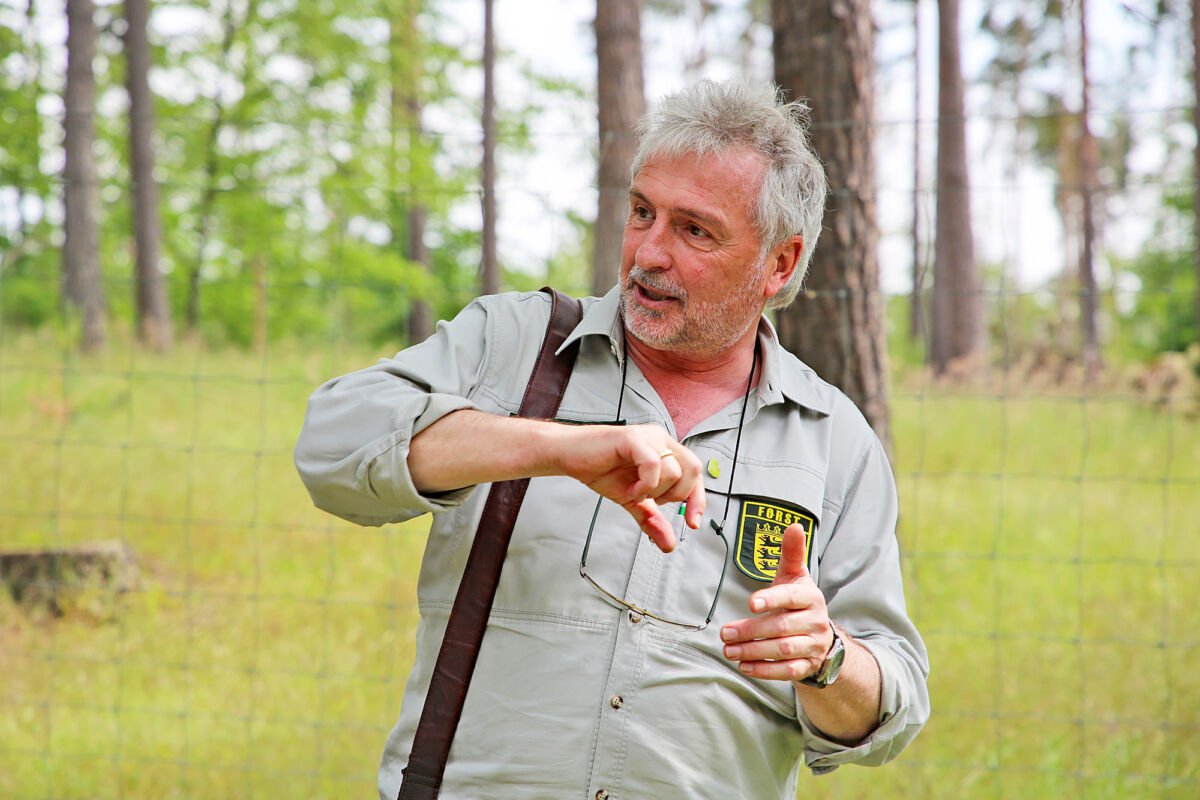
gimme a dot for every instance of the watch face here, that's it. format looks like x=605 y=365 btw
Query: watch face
x=835 y=663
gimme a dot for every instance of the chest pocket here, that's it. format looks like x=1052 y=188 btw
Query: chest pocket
x=766 y=500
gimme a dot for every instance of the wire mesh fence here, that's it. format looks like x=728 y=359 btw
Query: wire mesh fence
x=1048 y=534
x=180 y=622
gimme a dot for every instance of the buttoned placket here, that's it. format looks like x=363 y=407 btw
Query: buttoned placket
x=625 y=674
x=632 y=634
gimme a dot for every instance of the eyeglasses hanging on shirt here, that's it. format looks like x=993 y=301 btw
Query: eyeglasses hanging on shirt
x=717 y=529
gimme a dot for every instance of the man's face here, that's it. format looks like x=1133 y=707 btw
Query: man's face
x=692 y=281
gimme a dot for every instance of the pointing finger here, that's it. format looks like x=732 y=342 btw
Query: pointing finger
x=653 y=523
x=793 y=557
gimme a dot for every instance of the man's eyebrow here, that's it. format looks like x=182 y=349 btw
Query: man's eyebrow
x=706 y=219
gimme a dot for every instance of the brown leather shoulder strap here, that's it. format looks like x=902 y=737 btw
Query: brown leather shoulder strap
x=468 y=618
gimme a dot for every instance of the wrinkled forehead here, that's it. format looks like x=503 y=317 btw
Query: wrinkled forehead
x=725 y=185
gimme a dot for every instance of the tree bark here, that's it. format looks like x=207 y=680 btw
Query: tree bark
x=407 y=71
x=1196 y=152
x=208 y=197
x=916 y=326
x=1088 y=168
x=621 y=101
x=825 y=51
x=82 y=285
x=957 y=307
x=153 y=313
x=490 y=268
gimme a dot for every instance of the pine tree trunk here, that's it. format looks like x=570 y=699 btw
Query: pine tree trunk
x=957 y=307
x=420 y=313
x=916 y=326
x=1196 y=152
x=825 y=51
x=153 y=313
x=407 y=69
x=1088 y=168
x=621 y=102
x=82 y=286
x=208 y=198
x=490 y=268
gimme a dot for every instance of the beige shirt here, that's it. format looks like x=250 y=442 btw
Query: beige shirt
x=573 y=697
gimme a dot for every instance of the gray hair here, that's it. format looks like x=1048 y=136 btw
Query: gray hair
x=709 y=118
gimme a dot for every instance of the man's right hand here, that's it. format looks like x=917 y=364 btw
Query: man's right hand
x=638 y=467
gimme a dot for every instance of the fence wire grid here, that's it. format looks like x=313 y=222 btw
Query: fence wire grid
x=225 y=639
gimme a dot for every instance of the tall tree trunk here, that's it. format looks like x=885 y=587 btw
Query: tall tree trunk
x=153 y=313
x=1196 y=152
x=82 y=286
x=957 y=318
x=825 y=51
x=420 y=313
x=208 y=197
x=916 y=327
x=490 y=268
x=1088 y=168
x=621 y=101
x=406 y=135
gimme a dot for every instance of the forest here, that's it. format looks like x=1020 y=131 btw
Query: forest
x=265 y=171
x=209 y=208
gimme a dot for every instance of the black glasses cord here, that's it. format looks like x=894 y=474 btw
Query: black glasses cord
x=737 y=442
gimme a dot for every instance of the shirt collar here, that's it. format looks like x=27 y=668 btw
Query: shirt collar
x=798 y=383
x=601 y=318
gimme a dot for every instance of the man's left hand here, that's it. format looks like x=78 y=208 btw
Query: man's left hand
x=790 y=635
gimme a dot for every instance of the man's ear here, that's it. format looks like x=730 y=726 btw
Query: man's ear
x=782 y=263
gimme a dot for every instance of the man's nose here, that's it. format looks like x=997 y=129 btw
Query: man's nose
x=652 y=251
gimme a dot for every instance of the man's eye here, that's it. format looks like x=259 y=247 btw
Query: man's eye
x=641 y=212
x=697 y=231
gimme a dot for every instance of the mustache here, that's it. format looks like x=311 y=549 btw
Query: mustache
x=654 y=280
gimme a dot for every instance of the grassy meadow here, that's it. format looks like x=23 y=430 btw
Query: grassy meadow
x=1050 y=544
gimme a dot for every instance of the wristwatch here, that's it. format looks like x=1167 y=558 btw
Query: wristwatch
x=832 y=664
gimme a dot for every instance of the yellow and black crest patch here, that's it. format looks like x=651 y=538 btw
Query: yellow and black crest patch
x=760 y=535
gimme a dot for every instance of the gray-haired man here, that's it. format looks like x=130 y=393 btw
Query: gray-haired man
x=614 y=686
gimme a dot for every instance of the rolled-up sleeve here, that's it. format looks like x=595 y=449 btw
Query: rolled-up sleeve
x=352 y=453
x=860 y=576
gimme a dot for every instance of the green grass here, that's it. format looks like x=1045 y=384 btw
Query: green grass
x=1050 y=547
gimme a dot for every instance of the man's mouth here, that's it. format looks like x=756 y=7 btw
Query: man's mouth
x=652 y=291
x=653 y=294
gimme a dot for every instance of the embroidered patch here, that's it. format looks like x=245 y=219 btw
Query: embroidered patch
x=760 y=535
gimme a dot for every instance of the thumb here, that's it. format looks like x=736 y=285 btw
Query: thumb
x=793 y=556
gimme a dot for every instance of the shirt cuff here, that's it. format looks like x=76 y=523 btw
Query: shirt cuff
x=823 y=755
x=385 y=472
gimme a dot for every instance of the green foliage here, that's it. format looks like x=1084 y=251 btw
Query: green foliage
x=905 y=354
x=1162 y=316
x=291 y=152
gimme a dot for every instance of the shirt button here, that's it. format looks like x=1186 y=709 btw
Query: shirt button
x=617 y=701
x=602 y=795
x=635 y=617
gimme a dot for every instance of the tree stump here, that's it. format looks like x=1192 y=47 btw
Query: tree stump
x=56 y=579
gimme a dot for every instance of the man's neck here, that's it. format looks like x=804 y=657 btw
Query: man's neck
x=693 y=388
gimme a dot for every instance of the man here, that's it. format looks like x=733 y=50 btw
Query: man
x=614 y=686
